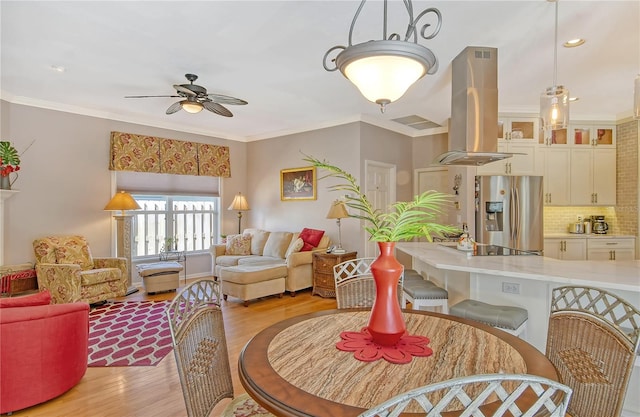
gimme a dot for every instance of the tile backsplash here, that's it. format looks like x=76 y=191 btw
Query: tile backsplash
x=557 y=219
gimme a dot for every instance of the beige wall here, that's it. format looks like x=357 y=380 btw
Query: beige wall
x=64 y=181
x=338 y=145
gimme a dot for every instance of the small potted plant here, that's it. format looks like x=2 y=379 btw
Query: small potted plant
x=9 y=162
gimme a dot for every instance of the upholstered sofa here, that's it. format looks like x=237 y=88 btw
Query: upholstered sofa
x=261 y=247
x=44 y=349
x=67 y=269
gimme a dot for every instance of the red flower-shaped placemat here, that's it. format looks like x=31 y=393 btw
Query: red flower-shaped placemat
x=366 y=350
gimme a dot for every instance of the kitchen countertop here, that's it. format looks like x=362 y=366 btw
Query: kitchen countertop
x=619 y=275
x=567 y=235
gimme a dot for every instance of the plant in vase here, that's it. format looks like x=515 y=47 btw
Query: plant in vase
x=9 y=162
x=404 y=221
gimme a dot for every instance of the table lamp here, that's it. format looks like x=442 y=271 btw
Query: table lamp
x=239 y=203
x=338 y=211
x=122 y=201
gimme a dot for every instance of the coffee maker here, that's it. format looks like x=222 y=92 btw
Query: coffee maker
x=598 y=225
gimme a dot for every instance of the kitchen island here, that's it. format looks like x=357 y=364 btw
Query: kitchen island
x=525 y=281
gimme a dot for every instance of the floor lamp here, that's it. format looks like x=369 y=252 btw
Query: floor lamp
x=122 y=201
x=239 y=203
x=338 y=211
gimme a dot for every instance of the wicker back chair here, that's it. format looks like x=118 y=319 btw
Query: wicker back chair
x=200 y=349
x=521 y=395
x=355 y=287
x=593 y=341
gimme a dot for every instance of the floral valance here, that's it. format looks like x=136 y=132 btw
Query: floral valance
x=130 y=152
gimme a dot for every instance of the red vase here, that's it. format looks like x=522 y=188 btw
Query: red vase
x=386 y=323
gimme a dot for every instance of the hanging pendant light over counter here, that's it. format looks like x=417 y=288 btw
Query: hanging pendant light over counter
x=383 y=70
x=554 y=101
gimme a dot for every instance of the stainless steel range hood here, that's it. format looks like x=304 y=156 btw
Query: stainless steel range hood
x=473 y=129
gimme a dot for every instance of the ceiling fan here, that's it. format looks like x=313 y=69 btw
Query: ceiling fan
x=196 y=98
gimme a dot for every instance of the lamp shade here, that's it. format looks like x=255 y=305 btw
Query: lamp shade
x=122 y=201
x=191 y=106
x=554 y=108
x=239 y=203
x=384 y=70
x=337 y=211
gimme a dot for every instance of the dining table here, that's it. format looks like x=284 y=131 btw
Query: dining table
x=293 y=367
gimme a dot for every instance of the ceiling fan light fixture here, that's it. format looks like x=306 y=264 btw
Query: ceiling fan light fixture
x=383 y=70
x=191 y=106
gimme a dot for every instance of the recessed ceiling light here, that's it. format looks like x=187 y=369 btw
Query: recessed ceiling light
x=573 y=43
x=574 y=98
x=57 y=68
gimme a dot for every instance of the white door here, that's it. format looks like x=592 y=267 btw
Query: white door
x=437 y=179
x=380 y=189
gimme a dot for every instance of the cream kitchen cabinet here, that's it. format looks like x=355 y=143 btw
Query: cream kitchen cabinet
x=611 y=249
x=593 y=176
x=518 y=135
x=554 y=165
x=595 y=134
x=518 y=128
x=556 y=137
x=574 y=249
x=523 y=161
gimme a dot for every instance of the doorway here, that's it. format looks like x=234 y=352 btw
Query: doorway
x=380 y=189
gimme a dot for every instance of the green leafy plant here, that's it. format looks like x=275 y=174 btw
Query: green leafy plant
x=405 y=220
x=9 y=159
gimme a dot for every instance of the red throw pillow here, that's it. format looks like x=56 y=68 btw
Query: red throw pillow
x=311 y=238
x=42 y=298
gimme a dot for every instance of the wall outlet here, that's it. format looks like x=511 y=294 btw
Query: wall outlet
x=510 y=288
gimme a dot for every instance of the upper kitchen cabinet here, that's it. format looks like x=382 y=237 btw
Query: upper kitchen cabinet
x=593 y=134
x=517 y=136
x=593 y=176
x=518 y=129
x=554 y=137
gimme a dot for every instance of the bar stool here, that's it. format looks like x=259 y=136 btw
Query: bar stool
x=508 y=318
x=422 y=293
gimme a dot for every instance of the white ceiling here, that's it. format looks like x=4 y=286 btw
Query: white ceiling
x=270 y=54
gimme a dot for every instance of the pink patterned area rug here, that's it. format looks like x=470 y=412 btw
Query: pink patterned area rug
x=131 y=333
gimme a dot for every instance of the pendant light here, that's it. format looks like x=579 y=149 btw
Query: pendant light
x=554 y=101
x=383 y=70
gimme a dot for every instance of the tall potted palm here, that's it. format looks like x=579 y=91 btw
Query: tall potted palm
x=404 y=221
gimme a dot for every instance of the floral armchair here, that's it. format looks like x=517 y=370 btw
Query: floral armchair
x=65 y=267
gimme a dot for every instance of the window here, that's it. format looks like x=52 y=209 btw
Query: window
x=171 y=222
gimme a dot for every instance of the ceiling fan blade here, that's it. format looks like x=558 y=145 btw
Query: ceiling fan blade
x=147 y=96
x=220 y=98
x=184 y=90
x=174 y=107
x=217 y=108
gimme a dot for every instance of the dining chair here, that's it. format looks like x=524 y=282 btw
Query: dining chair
x=593 y=342
x=355 y=286
x=200 y=348
x=519 y=394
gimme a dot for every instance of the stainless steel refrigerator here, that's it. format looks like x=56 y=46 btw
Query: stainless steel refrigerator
x=509 y=212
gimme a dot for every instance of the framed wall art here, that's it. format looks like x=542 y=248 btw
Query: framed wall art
x=298 y=184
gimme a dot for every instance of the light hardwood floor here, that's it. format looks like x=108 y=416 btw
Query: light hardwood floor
x=155 y=391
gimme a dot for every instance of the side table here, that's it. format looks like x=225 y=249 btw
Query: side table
x=178 y=256
x=323 y=282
